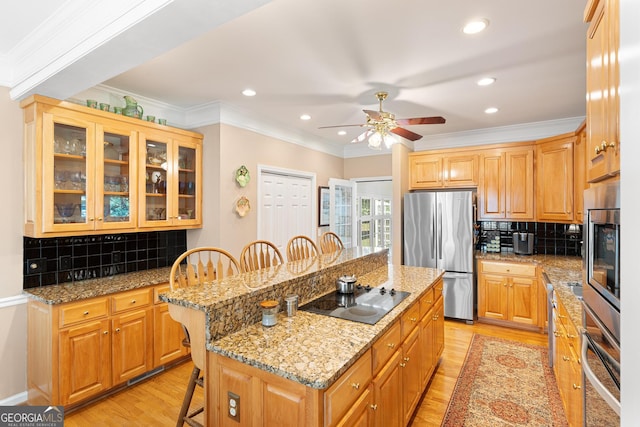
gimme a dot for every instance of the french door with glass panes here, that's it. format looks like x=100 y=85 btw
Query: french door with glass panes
x=374 y=222
x=342 y=209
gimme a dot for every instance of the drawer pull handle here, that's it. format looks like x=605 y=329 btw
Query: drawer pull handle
x=576 y=387
x=565 y=358
x=570 y=336
x=106 y=332
x=406 y=359
x=402 y=365
x=429 y=302
x=356 y=386
x=413 y=319
x=373 y=406
x=391 y=345
x=117 y=329
x=86 y=312
x=133 y=301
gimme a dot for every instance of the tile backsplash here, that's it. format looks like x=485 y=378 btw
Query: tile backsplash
x=549 y=238
x=67 y=259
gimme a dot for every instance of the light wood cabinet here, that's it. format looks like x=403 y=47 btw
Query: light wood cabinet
x=579 y=173
x=382 y=388
x=443 y=170
x=167 y=333
x=506 y=184
x=82 y=349
x=508 y=293
x=603 y=82
x=170 y=180
x=567 y=366
x=554 y=170
x=82 y=173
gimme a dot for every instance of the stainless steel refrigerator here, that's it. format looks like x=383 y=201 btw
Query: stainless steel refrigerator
x=438 y=233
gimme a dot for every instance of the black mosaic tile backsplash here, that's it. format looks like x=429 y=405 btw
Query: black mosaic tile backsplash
x=68 y=259
x=549 y=238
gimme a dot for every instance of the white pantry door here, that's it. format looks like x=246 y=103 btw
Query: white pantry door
x=286 y=208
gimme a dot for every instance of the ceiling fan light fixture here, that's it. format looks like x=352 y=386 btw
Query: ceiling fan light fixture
x=475 y=26
x=389 y=139
x=375 y=141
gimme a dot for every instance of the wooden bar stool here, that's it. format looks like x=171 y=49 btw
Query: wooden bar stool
x=196 y=267
x=330 y=242
x=300 y=247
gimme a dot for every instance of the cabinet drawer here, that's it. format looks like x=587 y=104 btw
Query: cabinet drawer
x=385 y=346
x=410 y=319
x=340 y=396
x=83 y=310
x=131 y=299
x=426 y=302
x=160 y=289
x=519 y=269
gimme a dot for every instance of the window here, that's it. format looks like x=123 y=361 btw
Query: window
x=374 y=221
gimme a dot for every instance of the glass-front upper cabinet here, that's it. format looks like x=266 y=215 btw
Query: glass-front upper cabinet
x=170 y=181
x=68 y=150
x=115 y=203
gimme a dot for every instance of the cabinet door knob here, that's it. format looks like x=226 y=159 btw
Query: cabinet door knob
x=106 y=332
x=402 y=365
x=565 y=358
x=373 y=406
x=133 y=301
x=406 y=359
x=117 y=329
x=99 y=218
x=576 y=387
x=86 y=312
x=356 y=386
x=391 y=345
x=413 y=319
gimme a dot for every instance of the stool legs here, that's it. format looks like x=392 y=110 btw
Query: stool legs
x=184 y=417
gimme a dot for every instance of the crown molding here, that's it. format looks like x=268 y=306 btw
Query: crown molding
x=497 y=135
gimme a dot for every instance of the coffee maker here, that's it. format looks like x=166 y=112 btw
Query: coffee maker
x=523 y=243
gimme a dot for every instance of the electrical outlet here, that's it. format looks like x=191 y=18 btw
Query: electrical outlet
x=234 y=406
x=64 y=262
x=36 y=265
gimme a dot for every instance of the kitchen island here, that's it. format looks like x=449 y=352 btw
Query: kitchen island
x=312 y=369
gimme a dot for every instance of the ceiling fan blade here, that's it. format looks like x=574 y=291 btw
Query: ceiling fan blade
x=339 y=126
x=362 y=137
x=375 y=115
x=421 y=121
x=411 y=136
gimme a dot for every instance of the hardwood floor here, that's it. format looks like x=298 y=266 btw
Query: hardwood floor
x=156 y=401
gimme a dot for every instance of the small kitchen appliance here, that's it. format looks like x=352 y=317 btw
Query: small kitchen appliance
x=523 y=243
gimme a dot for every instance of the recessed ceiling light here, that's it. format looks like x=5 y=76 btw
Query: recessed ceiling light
x=305 y=117
x=486 y=81
x=249 y=92
x=342 y=132
x=491 y=110
x=475 y=26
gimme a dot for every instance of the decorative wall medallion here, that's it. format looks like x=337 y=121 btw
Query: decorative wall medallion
x=242 y=176
x=242 y=206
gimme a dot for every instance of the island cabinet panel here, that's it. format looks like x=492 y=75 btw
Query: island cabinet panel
x=386 y=346
x=387 y=394
x=94 y=345
x=508 y=293
x=339 y=398
x=361 y=413
x=411 y=374
x=284 y=405
x=427 y=336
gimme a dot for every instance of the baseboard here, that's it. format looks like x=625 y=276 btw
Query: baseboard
x=15 y=400
x=13 y=300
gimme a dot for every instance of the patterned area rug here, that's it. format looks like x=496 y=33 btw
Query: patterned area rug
x=505 y=383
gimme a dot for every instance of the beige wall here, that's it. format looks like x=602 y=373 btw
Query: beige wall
x=226 y=148
x=13 y=324
x=367 y=167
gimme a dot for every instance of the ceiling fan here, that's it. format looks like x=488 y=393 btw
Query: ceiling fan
x=381 y=124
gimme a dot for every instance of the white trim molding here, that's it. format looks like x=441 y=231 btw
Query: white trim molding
x=16 y=399
x=13 y=300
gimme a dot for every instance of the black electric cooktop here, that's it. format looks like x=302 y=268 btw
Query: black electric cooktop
x=365 y=305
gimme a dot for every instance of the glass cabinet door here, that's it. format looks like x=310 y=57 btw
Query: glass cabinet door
x=69 y=143
x=115 y=197
x=188 y=183
x=155 y=183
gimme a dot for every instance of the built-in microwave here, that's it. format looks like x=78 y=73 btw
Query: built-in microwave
x=602 y=254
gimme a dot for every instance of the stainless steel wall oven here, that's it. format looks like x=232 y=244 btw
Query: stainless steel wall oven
x=601 y=300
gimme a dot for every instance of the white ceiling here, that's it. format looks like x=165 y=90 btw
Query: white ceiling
x=325 y=58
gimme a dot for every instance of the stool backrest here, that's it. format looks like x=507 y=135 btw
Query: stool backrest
x=203 y=265
x=259 y=254
x=300 y=247
x=330 y=242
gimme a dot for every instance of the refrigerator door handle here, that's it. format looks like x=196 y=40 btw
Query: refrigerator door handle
x=439 y=213
x=433 y=226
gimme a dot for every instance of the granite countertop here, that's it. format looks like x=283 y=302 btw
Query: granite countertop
x=313 y=349
x=560 y=270
x=84 y=289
